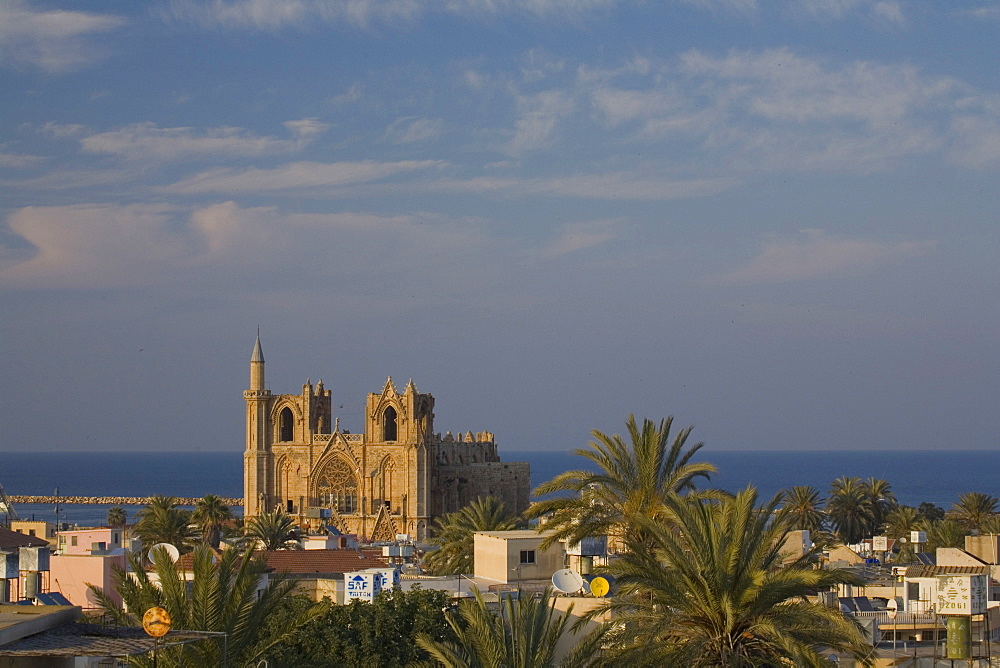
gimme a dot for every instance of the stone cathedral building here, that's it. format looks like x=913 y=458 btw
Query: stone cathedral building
x=395 y=477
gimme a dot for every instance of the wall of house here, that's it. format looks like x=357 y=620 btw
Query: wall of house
x=69 y=574
x=498 y=556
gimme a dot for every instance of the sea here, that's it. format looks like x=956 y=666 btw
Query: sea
x=916 y=476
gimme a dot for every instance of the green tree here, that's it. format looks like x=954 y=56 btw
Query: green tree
x=117 y=516
x=850 y=510
x=632 y=480
x=273 y=530
x=928 y=511
x=944 y=533
x=524 y=634
x=712 y=591
x=453 y=534
x=802 y=508
x=223 y=597
x=211 y=515
x=161 y=521
x=881 y=499
x=361 y=634
x=900 y=521
x=973 y=509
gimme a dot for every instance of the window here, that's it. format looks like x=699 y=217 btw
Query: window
x=31 y=532
x=389 y=424
x=285 y=424
x=527 y=557
x=338 y=487
x=72 y=541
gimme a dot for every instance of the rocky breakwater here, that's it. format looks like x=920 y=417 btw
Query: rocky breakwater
x=110 y=500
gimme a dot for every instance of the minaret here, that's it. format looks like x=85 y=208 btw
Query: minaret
x=256 y=458
x=257 y=366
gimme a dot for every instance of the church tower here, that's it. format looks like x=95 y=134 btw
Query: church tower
x=257 y=457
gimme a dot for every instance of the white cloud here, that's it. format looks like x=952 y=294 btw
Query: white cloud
x=410 y=129
x=90 y=245
x=146 y=141
x=295 y=175
x=19 y=160
x=277 y=14
x=538 y=118
x=777 y=110
x=813 y=255
x=621 y=186
x=580 y=236
x=120 y=246
x=54 y=41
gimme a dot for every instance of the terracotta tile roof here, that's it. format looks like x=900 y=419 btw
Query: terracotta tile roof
x=324 y=561
x=9 y=539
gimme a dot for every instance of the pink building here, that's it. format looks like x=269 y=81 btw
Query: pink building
x=100 y=540
x=70 y=574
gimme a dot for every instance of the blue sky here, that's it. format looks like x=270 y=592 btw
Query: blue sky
x=776 y=221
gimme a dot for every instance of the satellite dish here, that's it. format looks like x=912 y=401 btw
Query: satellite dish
x=171 y=551
x=600 y=586
x=567 y=581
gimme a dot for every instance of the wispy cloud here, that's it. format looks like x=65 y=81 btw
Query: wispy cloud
x=814 y=255
x=411 y=129
x=146 y=141
x=622 y=186
x=277 y=14
x=55 y=40
x=580 y=236
x=296 y=175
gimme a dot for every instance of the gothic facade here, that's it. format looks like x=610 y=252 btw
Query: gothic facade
x=395 y=477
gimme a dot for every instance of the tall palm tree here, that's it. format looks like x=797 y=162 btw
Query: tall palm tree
x=973 y=509
x=944 y=533
x=712 y=591
x=881 y=499
x=454 y=534
x=802 y=508
x=900 y=521
x=524 y=634
x=273 y=530
x=211 y=514
x=632 y=480
x=850 y=510
x=117 y=517
x=223 y=597
x=161 y=521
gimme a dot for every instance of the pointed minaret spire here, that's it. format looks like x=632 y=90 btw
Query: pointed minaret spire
x=257 y=365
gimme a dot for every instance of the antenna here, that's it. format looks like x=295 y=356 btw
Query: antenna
x=171 y=551
x=567 y=581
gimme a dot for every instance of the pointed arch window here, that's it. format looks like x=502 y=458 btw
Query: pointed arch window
x=389 y=430
x=337 y=487
x=285 y=423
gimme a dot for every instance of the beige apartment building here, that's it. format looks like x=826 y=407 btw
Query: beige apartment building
x=395 y=477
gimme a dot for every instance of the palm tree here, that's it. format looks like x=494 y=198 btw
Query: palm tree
x=712 y=591
x=273 y=530
x=223 y=598
x=900 y=521
x=944 y=533
x=161 y=521
x=802 y=508
x=632 y=480
x=117 y=516
x=524 y=634
x=881 y=499
x=454 y=534
x=973 y=509
x=850 y=510
x=211 y=514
